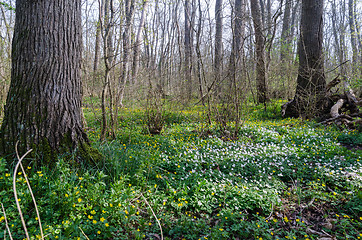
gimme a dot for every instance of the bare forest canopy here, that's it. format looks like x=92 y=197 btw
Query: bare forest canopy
x=195 y=48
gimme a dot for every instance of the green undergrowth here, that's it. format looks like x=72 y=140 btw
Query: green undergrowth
x=280 y=179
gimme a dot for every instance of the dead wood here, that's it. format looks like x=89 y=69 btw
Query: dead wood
x=334 y=110
x=340 y=108
x=333 y=83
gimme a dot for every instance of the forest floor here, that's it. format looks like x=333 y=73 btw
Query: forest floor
x=280 y=179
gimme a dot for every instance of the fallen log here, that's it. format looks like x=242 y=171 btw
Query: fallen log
x=341 y=108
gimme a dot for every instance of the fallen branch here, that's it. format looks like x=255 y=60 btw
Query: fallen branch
x=333 y=83
x=84 y=234
x=31 y=193
x=16 y=194
x=6 y=222
x=159 y=224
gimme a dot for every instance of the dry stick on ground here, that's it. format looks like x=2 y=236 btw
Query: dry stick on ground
x=159 y=224
x=31 y=192
x=84 y=234
x=16 y=194
x=6 y=222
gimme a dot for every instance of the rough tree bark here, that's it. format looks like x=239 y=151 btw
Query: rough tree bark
x=43 y=107
x=259 y=48
x=311 y=83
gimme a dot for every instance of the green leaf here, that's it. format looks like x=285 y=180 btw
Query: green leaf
x=7 y=6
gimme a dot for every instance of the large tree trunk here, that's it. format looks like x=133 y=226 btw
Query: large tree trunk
x=311 y=83
x=43 y=107
x=259 y=48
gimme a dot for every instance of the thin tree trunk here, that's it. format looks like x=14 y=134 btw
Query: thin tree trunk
x=129 y=7
x=108 y=52
x=136 y=54
x=359 y=40
x=259 y=49
x=285 y=37
x=198 y=53
x=188 y=50
x=351 y=17
x=294 y=21
x=238 y=37
x=218 y=62
x=336 y=34
x=97 y=47
x=269 y=18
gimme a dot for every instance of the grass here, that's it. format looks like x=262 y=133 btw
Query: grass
x=281 y=179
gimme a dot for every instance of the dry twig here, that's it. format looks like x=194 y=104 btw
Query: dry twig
x=6 y=222
x=16 y=193
x=159 y=224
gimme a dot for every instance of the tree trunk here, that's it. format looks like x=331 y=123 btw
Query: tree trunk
x=311 y=83
x=108 y=51
x=294 y=23
x=188 y=50
x=359 y=39
x=351 y=16
x=218 y=63
x=269 y=18
x=43 y=107
x=136 y=54
x=98 y=40
x=337 y=35
x=238 y=37
x=285 y=37
x=129 y=8
x=259 y=48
